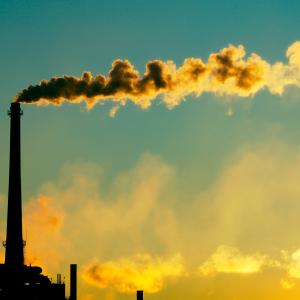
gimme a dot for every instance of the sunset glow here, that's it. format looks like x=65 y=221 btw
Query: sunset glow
x=177 y=171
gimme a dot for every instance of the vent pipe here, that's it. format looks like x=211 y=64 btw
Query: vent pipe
x=139 y=295
x=73 y=282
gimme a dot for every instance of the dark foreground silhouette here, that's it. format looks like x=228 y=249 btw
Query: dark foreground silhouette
x=17 y=280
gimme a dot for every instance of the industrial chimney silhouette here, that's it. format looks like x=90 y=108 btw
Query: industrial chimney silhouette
x=18 y=280
x=14 y=254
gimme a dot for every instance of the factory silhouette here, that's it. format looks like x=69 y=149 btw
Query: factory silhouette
x=19 y=281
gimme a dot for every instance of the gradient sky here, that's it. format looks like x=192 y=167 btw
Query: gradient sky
x=211 y=200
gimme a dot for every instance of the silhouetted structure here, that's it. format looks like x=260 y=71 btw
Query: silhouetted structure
x=139 y=295
x=73 y=282
x=17 y=280
x=14 y=255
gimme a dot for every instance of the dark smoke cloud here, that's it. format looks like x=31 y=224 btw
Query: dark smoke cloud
x=123 y=82
x=227 y=72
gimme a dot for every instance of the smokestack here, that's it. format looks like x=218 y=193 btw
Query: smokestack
x=73 y=282
x=14 y=253
x=139 y=295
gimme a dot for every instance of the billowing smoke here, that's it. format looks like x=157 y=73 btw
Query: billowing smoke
x=139 y=272
x=228 y=72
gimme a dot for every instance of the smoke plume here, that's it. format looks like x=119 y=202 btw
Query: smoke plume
x=139 y=272
x=227 y=72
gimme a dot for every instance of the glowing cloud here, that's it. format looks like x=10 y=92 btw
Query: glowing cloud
x=230 y=260
x=138 y=272
x=43 y=215
x=292 y=263
x=287 y=284
x=73 y=210
x=227 y=72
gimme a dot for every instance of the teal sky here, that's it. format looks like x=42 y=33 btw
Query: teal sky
x=41 y=39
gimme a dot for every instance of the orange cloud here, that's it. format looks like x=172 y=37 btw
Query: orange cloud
x=230 y=260
x=70 y=220
x=43 y=220
x=143 y=272
x=73 y=210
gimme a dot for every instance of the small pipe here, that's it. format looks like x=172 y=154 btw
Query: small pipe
x=73 y=281
x=139 y=295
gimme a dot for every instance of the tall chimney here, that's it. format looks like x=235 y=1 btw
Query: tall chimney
x=139 y=295
x=14 y=253
x=73 y=282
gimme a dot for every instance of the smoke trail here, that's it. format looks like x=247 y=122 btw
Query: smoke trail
x=228 y=72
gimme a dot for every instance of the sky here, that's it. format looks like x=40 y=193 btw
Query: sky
x=197 y=200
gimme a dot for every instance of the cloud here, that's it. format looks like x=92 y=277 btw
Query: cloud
x=291 y=263
x=227 y=72
x=254 y=200
x=73 y=218
x=280 y=75
x=287 y=283
x=252 y=205
x=43 y=222
x=140 y=272
x=260 y=182
x=230 y=260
